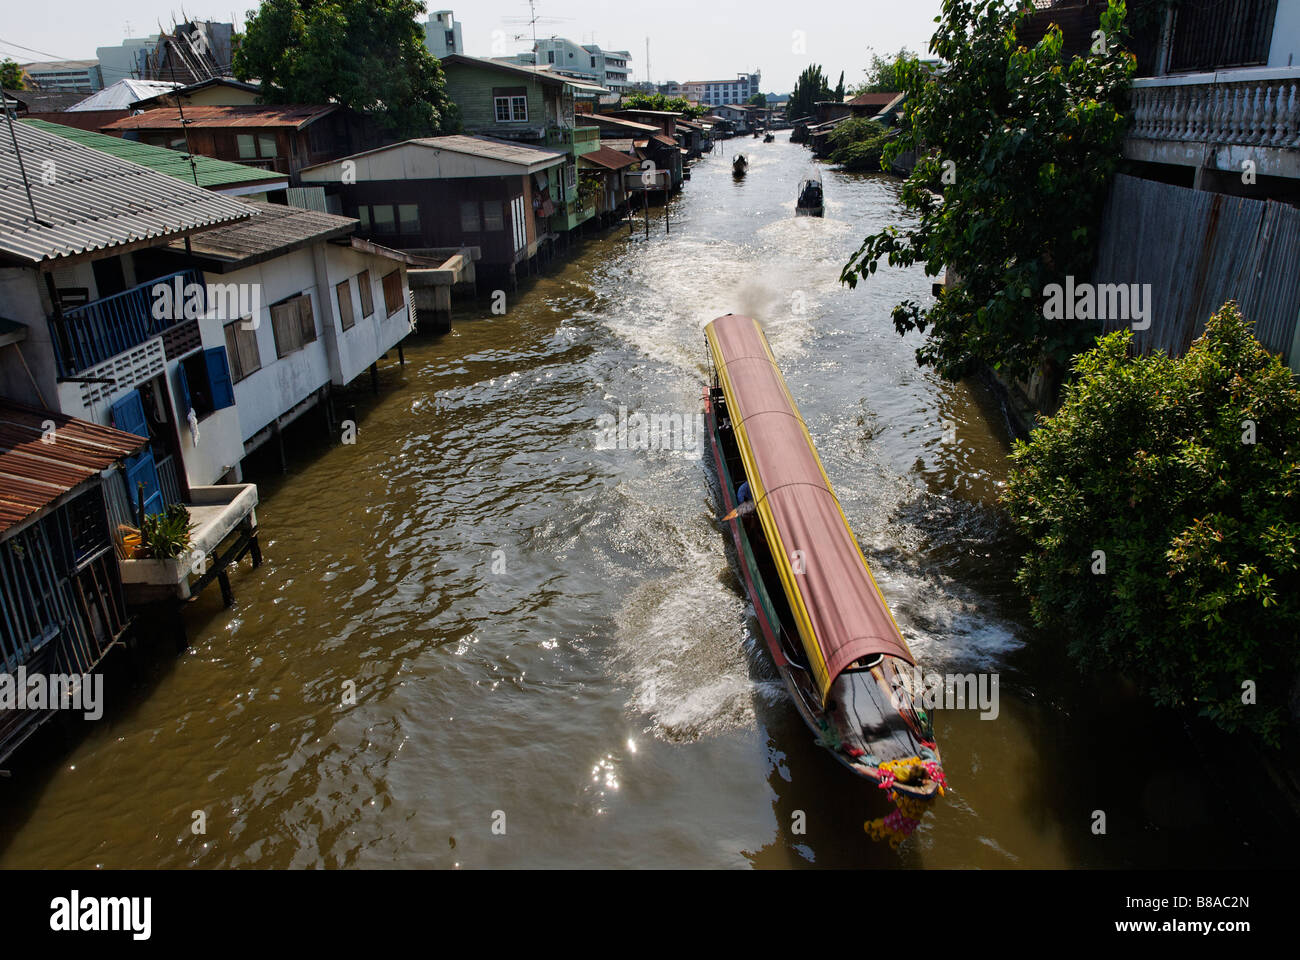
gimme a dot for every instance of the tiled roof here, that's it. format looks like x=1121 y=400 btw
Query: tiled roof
x=96 y=201
x=34 y=473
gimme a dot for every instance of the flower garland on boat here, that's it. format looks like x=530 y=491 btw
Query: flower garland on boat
x=902 y=822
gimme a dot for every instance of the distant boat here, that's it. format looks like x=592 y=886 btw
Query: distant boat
x=768 y=138
x=810 y=202
x=822 y=617
x=739 y=165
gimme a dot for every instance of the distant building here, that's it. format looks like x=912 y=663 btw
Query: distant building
x=65 y=76
x=442 y=34
x=605 y=68
x=713 y=93
x=669 y=88
x=193 y=51
x=127 y=60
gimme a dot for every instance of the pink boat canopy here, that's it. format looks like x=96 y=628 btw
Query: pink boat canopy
x=841 y=615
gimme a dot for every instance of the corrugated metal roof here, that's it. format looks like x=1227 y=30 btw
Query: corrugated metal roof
x=275 y=229
x=96 y=201
x=34 y=474
x=619 y=122
x=608 y=158
x=212 y=173
x=120 y=95
x=491 y=148
x=295 y=115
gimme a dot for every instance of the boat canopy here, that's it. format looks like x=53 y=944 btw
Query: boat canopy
x=840 y=613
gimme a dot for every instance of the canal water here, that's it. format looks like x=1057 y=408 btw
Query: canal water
x=553 y=658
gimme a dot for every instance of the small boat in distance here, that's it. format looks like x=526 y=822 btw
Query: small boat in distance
x=768 y=138
x=822 y=617
x=739 y=165
x=810 y=202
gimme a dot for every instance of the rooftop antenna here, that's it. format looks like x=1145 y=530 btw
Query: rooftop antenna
x=533 y=20
x=647 y=59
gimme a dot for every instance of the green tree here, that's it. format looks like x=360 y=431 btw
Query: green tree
x=839 y=88
x=883 y=75
x=1016 y=148
x=365 y=54
x=808 y=89
x=1180 y=479
x=658 y=101
x=757 y=100
x=858 y=145
x=11 y=75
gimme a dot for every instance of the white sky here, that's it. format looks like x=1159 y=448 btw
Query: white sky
x=689 y=40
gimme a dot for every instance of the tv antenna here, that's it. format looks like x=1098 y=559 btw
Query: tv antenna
x=532 y=20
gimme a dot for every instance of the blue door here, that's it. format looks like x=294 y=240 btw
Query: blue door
x=128 y=416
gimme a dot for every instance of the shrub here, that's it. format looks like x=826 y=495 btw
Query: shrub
x=859 y=144
x=1184 y=473
x=166 y=535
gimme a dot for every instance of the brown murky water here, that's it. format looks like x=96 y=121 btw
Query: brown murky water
x=555 y=632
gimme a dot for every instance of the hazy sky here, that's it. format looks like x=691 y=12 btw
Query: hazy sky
x=689 y=40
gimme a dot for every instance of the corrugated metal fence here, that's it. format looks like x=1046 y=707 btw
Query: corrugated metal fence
x=1197 y=250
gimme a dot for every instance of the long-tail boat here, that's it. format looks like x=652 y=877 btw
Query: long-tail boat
x=739 y=165
x=824 y=620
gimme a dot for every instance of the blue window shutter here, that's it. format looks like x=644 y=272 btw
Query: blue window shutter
x=128 y=415
x=141 y=469
x=223 y=390
x=183 y=390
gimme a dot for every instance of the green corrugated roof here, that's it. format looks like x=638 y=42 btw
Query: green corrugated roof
x=212 y=173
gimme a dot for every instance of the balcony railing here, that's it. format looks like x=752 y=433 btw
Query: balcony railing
x=1217 y=109
x=101 y=329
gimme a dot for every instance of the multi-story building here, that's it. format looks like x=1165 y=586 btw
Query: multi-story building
x=714 y=93
x=66 y=76
x=530 y=105
x=126 y=61
x=604 y=68
x=442 y=34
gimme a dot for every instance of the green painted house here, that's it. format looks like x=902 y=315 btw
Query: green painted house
x=512 y=102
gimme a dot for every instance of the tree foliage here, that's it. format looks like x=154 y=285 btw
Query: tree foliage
x=808 y=89
x=365 y=54
x=1022 y=144
x=883 y=76
x=658 y=101
x=858 y=144
x=11 y=75
x=1185 y=474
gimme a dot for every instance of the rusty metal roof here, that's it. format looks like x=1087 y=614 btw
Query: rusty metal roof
x=295 y=115
x=609 y=158
x=94 y=202
x=34 y=473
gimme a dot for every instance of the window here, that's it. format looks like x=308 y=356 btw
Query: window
x=247 y=146
x=266 y=144
x=363 y=214
x=510 y=104
x=241 y=347
x=343 y=289
x=383 y=218
x=293 y=324
x=492 y=219
x=469 y=216
x=550 y=56
x=408 y=215
x=393 y=292
x=205 y=383
x=367 y=295
x=252 y=146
